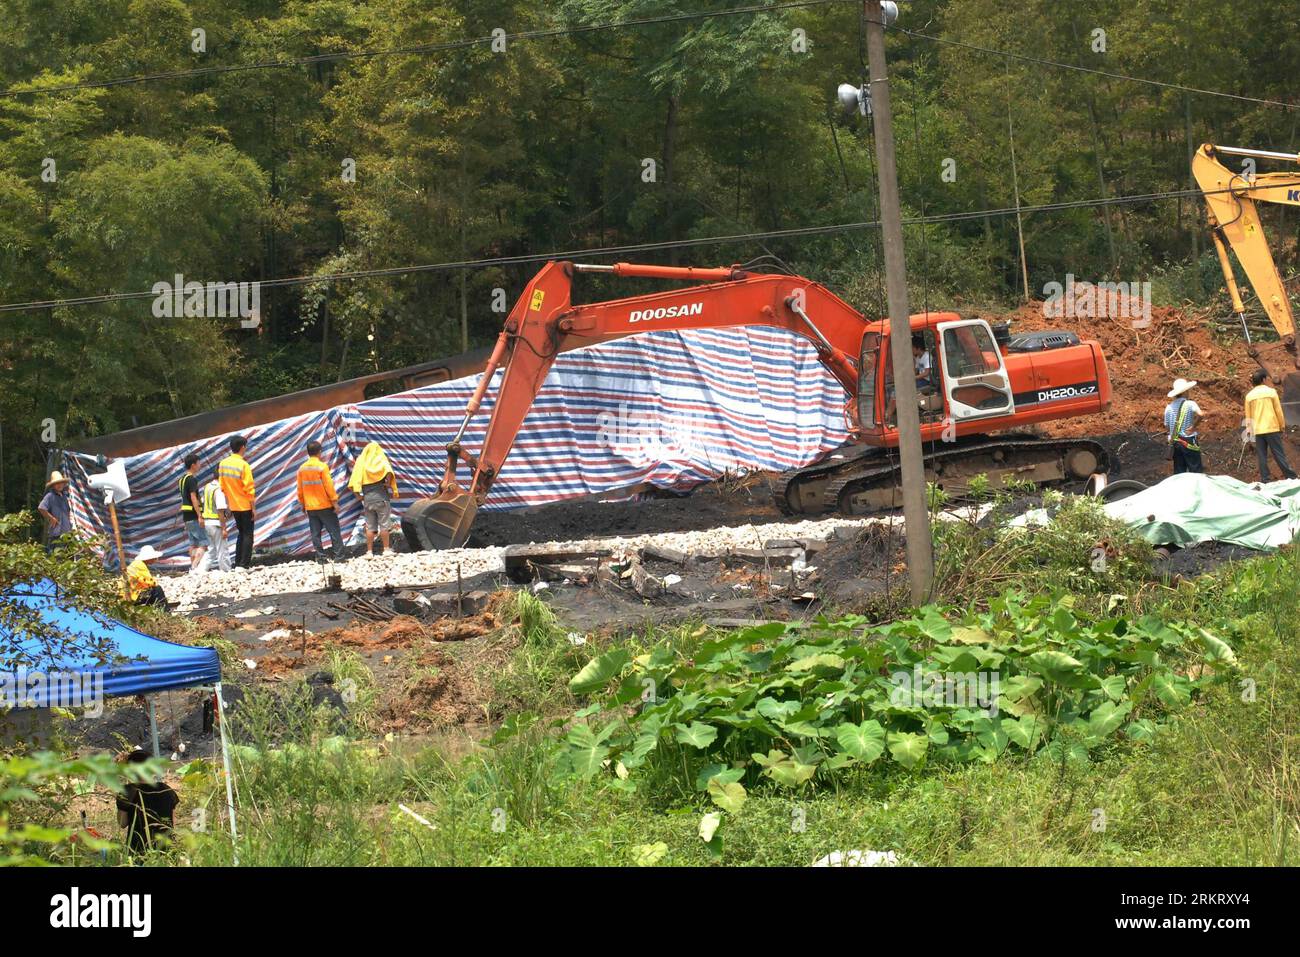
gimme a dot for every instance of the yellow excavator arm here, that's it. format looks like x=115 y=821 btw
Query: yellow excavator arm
x=1231 y=198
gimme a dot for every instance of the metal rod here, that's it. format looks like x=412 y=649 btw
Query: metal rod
x=1257 y=154
x=117 y=538
x=798 y=311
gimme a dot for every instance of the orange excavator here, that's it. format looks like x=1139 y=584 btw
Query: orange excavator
x=979 y=380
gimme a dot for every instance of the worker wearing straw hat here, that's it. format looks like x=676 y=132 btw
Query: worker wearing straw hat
x=1181 y=417
x=55 y=509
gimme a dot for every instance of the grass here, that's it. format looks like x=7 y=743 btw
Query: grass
x=1218 y=786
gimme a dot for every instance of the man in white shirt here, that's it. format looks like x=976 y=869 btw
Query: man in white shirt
x=921 y=362
x=216 y=512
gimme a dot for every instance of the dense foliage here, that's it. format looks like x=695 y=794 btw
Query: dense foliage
x=794 y=705
x=470 y=153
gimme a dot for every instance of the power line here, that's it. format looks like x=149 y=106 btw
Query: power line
x=1106 y=73
x=420 y=49
x=599 y=251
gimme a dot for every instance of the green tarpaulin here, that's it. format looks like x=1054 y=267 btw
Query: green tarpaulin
x=1186 y=509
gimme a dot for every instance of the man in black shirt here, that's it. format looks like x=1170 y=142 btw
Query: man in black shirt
x=192 y=511
x=146 y=810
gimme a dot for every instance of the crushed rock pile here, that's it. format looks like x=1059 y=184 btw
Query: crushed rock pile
x=406 y=569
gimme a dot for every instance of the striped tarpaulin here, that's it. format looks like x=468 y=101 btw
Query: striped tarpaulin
x=672 y=409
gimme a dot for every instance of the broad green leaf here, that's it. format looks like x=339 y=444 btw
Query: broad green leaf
x=865 y=741
x=648 y=855
x=776 y=710
x=1216 y=649
x=969 y=635
x=1026 y=732
x=937 y=732
x=1114 y=686
x=697 y=734
x=783 y=769
x=1172 y=690
x=908 y=749
x=816 y=661
x=1062 y=669
x=1143 y=729
x=598 y=672
x=728 y=796
x=717 y=772
x=586 y=753
x=709 y=825
x=990 y=734
x=1106 y=718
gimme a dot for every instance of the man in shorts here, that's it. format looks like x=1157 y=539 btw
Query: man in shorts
x=373 y=479
x=191 y=512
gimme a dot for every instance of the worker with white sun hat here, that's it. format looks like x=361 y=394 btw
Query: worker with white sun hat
x=1182 y=415
x=144 y=588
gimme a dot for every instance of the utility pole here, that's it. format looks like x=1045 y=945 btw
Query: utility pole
x=916 y=515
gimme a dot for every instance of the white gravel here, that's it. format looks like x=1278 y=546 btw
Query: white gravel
x=406 y=569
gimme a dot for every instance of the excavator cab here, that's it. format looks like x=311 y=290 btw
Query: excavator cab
x=975 y=379
x=960 y=374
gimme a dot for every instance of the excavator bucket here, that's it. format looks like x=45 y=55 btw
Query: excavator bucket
x=1291 y=398
x=439 y=522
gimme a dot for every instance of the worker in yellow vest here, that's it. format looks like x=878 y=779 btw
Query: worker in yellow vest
x=236 y=478
x=318 y=498
x=144 y=588
x=215 y=515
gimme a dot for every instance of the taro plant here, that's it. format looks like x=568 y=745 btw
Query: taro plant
x=802 y=706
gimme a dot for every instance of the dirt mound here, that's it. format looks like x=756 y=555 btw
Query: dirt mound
x=449 y=688
x=1144 y=359
x=447 y=694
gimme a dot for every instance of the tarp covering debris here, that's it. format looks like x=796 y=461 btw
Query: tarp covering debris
x=669 y=409
x=1189 y=508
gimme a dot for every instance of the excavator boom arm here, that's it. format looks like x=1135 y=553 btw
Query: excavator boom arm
x=1231 y=201
x=545 y=322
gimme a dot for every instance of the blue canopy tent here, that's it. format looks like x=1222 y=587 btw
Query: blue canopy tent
x=139 y=664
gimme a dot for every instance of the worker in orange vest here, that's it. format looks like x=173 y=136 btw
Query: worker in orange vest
x=236 y=478
x=318 y=498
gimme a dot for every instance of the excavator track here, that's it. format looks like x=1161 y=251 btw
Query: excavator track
x=866 y=480
x=800 y=491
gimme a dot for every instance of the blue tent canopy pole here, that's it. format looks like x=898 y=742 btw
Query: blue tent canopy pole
x=153 y=725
